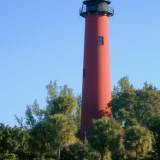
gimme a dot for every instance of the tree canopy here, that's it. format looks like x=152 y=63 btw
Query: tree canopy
x=52 y=131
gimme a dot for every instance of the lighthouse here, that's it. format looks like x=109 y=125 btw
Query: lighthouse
x=96 y=89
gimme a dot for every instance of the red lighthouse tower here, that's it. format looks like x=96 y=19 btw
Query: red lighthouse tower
x=96 y=94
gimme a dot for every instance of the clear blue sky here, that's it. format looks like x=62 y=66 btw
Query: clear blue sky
x=42 y=40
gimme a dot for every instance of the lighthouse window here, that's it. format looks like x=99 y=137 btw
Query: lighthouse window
x=100 y=40
x=83 y=73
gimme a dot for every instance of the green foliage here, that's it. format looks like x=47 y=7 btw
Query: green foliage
x=148 y=103
x=79 y=151
x=124 y=101
x=51 y=132
x=64 y=105
x=51 y=135
x=138 y=142
x=154 y=126
x=60 y=100
x=30 y=120
x=55 y=91
x=41 y=138
x=8 y=156
x=52 y=89
x=64 y=130
x=131 y=106
x=13 y=142
x=105 y=134
x=107 y=155
x=33 y=115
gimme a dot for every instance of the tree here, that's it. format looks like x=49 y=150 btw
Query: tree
x=64 y=132
x=138 y=142
x=79 y=151
x=107 y=155
x=33 y=115
x=13 y=143
x=130 y=105
x=148 y=104
x=7 y=144
x=61 y=111
x=124 y=102
x=62 y=104
x=52 y=90
x=60 y=100
x=21 y=136
x=154 y=126
x=41 y=138
x=51 y=135
x=105 y=135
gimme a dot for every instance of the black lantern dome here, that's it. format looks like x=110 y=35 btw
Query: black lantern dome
x=96 y=7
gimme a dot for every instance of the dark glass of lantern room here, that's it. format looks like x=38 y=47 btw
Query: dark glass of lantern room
x=96 y=7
